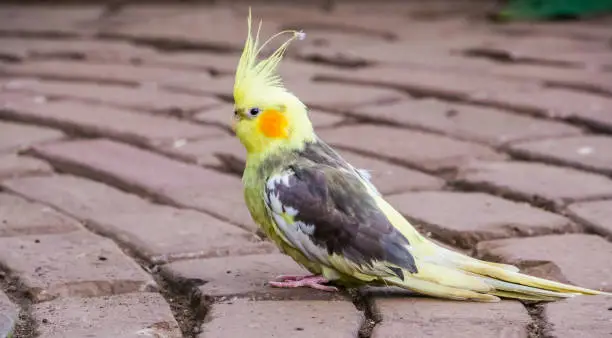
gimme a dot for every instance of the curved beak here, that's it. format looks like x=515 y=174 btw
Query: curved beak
x=233 y=124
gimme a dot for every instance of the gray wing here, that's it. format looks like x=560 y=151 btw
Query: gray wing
x=321 y=211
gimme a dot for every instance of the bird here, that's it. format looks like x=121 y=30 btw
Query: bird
x=327 y=214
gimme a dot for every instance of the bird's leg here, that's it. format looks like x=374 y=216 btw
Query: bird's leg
x=315 y=282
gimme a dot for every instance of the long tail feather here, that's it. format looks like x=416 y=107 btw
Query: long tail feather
x=508 y=282
x=452 y=277
x=449 y=274
x=525 y=290
x=516 y=295
x=486 y=269
x=437 y=290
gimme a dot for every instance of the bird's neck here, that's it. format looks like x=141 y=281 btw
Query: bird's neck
x=276 y=148
x=301 y=132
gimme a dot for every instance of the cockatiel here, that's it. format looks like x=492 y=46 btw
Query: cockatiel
x=329 y=217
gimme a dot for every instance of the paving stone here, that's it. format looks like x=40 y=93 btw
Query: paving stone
x=12 y=165
x=221 y=86
x=586 y=265
x=598 y=119
x=426 y=58
x=587 y=108
x=341 y=57
x=587 y=31
x=9 y=314
x=127 y=315
x=267 y=11
x=243 y=276
x=219 y=152
x=424 y=151
x=279 y=318
x=585 y=317
x=435 y=318
x=472 y=123
x=216 y=63
x=111 y=122
x=220 y=116
x=73 y=264
x=390 y=178
x=535 y=182
x=583 y=152
x=596 y=215
x=553 y=45
x=168 y=181
x=139 y=224
x=468 y=218
x=141 y=12
x=322 y=119
x=312 y=18
x=101 y=72
x=144 y=98
x=82 y=49
x=347 y=38
x=414 y=42
x=214 y=28
x=390 y=25
x=223 y=115
x=63 y=21
x=296 y=69
x=18 y=136
x=575 y=56
x=225 y=63
x=595 y=81
x=21 y=217
x=431 y=47
x=418 y=54
x=438 y=10
x=529 y=97
x=431 y=82
x=340 y=97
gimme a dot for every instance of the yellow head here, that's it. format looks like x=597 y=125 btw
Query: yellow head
x=267 y=117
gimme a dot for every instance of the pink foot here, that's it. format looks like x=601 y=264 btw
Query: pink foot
x=285 y=278
x=315 y=282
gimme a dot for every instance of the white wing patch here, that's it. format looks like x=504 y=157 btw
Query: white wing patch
x=308 y=229
x=365 y=173
x=296 y=233
x=366 y=176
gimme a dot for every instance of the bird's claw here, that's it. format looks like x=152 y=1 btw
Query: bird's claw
x=314 y=282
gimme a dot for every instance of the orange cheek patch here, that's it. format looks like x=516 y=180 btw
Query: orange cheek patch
x=273 y=124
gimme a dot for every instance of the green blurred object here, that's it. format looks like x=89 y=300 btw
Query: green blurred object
x=553 y=9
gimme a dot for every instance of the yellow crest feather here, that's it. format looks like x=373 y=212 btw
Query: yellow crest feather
x=260 y=78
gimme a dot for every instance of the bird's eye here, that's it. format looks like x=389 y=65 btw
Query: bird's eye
x=254 y=112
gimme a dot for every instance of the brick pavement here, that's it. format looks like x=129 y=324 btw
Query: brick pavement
x=121 y=210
